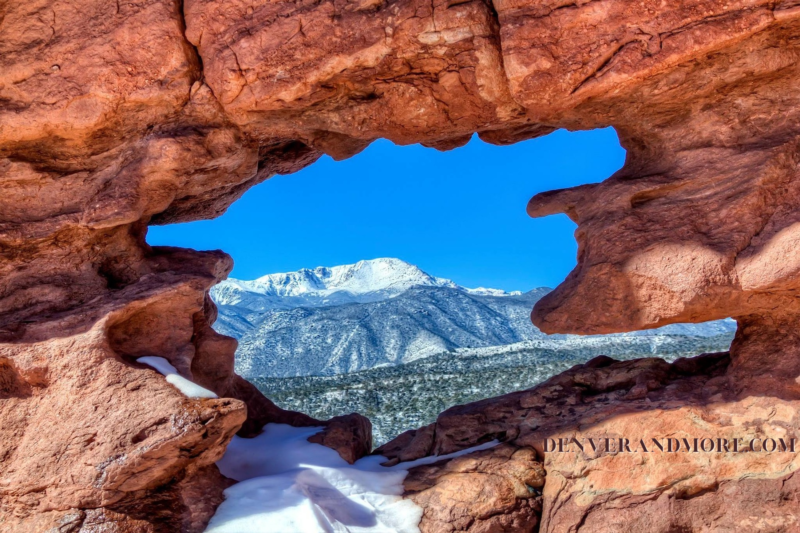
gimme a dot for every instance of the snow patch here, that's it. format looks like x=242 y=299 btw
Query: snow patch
x=483 y=291
x=188 y=388
x=287 y=485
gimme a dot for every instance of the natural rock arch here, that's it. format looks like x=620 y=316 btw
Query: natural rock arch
x=113 y=117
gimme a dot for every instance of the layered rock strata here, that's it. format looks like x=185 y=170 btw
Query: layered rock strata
x=115 y=116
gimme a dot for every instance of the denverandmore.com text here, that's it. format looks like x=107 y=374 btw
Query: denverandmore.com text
x=669 y=445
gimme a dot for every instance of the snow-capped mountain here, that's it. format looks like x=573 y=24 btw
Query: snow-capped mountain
x=373 y=313
x=366 y=281
x=419 y=322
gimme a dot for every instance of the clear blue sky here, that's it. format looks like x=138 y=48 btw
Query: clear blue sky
x=458 y=214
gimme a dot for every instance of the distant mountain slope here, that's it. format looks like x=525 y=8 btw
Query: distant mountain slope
x=374 y=313
x=346 y=338
x=397 y=398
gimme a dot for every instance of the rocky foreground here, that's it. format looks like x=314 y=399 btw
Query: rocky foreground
x=535 y=480
x=116 y=116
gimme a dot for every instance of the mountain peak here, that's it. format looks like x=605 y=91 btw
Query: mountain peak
x=368 y=280
x=370 y=275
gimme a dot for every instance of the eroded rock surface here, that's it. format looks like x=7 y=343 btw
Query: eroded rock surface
x=608 y=490
x=498 y=489
x=114 y=116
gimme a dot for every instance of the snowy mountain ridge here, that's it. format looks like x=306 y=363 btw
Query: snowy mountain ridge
x=365 y=281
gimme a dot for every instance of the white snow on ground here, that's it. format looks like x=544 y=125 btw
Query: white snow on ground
x=188 y=388
x=289 y=485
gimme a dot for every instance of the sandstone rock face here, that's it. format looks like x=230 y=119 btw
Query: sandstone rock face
x=86 y=427
x=498 y=489
x=350 y=435
x=611 y=489
x=115 y=116
x=697 y=224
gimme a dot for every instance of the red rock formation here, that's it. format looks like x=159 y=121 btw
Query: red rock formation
x=606 y=490
x=114 y=116
x=350 y=435
x=491 y=490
